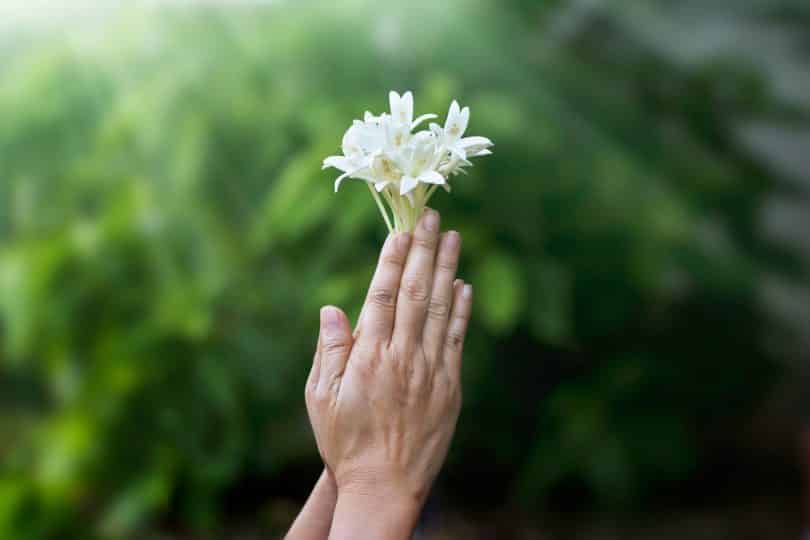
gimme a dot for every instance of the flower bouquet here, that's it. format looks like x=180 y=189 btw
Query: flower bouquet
x=404 y=168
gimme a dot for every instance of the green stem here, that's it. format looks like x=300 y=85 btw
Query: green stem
x=394 y=209
x=430 y=192
x=380 y=206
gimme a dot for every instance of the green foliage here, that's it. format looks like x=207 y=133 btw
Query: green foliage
x=167 y=236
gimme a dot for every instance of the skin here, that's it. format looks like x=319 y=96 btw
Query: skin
x=315 y=518
x=384 y=402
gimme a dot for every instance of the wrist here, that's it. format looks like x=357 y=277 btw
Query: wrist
x=384 y=515
x=385 y=485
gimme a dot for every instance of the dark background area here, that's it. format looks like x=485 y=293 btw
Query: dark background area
x=637 y=363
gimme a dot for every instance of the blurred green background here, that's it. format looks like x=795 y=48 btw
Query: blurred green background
x=638 y=244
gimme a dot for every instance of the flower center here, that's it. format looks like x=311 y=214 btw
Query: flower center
x=386 y=169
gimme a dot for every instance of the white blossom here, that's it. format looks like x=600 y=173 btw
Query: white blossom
x=403 y=166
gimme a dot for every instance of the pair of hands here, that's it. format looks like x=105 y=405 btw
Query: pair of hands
x=384 y=402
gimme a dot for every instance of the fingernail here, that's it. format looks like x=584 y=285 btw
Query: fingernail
x=452 y=239
x=330 y=320
x=467 y=291
x=431 y=220
x=403 y=241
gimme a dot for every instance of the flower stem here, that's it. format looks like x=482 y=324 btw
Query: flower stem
x=430 y=192
x=405 y=210
x=394 y=210
x=381 y=207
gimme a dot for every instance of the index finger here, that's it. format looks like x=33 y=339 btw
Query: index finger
x=377 y=315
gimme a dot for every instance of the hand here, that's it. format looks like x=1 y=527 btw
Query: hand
x=384 y=403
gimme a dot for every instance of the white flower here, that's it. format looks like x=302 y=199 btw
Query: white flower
x=402 y=110
x=402 y=166
x=360 y=143
x=454 y=128
x=475 y=146
x=384 y=171
x=419 y=160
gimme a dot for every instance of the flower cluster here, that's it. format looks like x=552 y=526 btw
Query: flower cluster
x=404 y=167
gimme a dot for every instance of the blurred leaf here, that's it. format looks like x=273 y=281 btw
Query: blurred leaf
x=500 y=290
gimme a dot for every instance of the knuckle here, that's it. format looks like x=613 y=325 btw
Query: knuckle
x=392 y=259
x=382 y=297
x=455 y=340
x=447 y=264
x=320 y=394
x=334 y=385
x=366 y=364
x=425 y=241
x=419 y=380
x=415 y=290
x=400 y=357
x=366 y=370
x=333 y=347
x=409 y=372
x=438 y=308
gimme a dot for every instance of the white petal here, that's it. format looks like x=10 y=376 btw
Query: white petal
x=393 y=101
x=363 y=174
x=422 y=119
x=339 y=180
x=481 y=153
x=464 y=119
x=431 y=177
x=338 y=162
x=458 y=152
x=456 y=123
x=452 y=113
x=406 y=114
x=407 y=184
x=467 y=142
x=379 y=186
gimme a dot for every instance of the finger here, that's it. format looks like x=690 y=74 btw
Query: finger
x=441 y=296
x=417 y=280
x=457 y=328
x=377 y=315
x=315 y=372
x=359 y=320
x=336 y=343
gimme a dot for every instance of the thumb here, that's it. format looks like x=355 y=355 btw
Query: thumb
x=336 y=342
